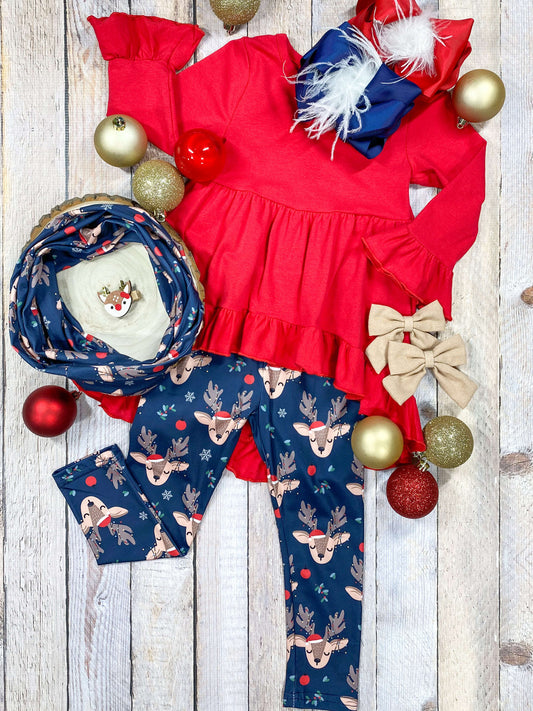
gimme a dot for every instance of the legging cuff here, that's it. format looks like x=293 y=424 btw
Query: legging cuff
x=118 y=522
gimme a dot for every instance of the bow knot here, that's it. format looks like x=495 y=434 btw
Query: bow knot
x=388 y=325
x=408 y=364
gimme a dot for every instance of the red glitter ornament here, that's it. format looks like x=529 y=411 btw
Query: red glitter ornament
x=412 y=492
x=49 y=411
x=200 y=154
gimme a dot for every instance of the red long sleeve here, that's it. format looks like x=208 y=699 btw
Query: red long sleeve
x=422 y=258
x=144 y=54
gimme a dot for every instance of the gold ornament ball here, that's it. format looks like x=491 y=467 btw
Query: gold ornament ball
x=377 y=442
x=478 y=95
x=120 y=140
x=449 y=441
x=234 y=12
x=158 y=187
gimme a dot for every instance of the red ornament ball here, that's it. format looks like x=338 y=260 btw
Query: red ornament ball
x=200 y=155
x=411 y=492
x=49 y=411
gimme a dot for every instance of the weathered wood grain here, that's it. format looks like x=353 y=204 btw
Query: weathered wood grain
x=33 y=148
x=468 y=512
x=99 y=597
x=516 y=344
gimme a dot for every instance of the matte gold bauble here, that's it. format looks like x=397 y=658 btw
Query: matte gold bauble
x=478 y=96
x=377 y=442
x=158 y=187
x=234 y=12
x=120 y=140
x=449 y=441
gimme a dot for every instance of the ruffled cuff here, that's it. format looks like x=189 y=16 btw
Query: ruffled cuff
x=403 y=257
x=123 y=36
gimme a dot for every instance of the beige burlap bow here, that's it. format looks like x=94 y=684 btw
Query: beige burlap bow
x=389 y=325
x=408 y=364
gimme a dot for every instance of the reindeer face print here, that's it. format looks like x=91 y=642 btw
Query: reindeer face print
x=322 y=435
x=163 y=545
x=221 y=423
x=319 y=648
x=321 y=545
x=181 y=371
x=192 y=522
x=275 y=379
x=159 y=468
x=95 y=514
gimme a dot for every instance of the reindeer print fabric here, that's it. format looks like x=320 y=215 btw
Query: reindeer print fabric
x=47 y=335
x=152 y=505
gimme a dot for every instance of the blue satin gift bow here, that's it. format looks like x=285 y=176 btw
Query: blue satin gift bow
x=390 y=96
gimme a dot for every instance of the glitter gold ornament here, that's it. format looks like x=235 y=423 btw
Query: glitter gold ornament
x=120 y=140
x=449 y=441
x=158 y=187
x=377 y=442
x=478 y=96
x=234 y=12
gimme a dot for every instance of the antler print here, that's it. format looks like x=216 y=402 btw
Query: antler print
x=338 y=519
x=123 y=533
x=357 y=573
x=287 y=465
x=338 y=409
x=356 y=487
x=306 y=514
x=307 y=407
x=180 y=448
x=190 y=499
x=304 y=619
x=336 y=625
x=212 y=397
x=146 y=439
x=353 y=678
x=242 y=404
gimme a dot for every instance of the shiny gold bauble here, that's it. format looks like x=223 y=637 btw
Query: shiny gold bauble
x=478 y=95
x=449 y=441
x=234 y=12
x=158 y=187
x=377 y=442
x=120 y=140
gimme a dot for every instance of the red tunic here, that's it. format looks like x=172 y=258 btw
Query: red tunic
x=293 y=247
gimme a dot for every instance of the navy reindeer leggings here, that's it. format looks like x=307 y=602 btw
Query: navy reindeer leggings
x=151 y=505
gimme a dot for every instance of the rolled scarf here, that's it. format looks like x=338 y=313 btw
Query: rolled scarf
x=49 y=338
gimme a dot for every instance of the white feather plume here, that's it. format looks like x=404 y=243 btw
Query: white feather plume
x=335 y=92
x=409 y=42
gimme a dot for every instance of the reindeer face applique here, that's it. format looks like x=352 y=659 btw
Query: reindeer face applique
x=321 y=545
x=163 y=545
x=275 y=379
x=319 y=648
x=117 y=303
x=322 y=435
x=181 y=371
x=159 y=468
x=191 y=522
x=221 y=423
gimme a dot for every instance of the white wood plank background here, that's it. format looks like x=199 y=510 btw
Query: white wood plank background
x=448 y=619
